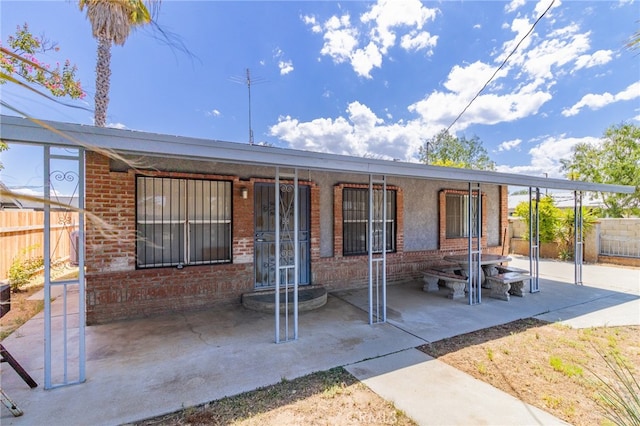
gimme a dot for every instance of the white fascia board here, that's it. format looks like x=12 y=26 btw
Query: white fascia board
x=20 y=130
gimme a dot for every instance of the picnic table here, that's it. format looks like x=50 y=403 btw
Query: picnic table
x=488 y=263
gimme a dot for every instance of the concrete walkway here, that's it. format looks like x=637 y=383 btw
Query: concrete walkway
x=142 y=368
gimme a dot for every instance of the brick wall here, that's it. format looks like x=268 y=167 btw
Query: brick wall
x=117 y=290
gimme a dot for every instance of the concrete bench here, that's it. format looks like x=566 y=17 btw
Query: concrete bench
x=502 y=285
x=505 y=269
x=445 y=267
x=455 y=283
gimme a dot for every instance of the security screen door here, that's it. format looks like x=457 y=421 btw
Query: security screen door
x=265 y=233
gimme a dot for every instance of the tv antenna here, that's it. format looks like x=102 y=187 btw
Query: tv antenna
x=247 y=80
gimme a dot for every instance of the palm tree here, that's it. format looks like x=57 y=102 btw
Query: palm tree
x=111 y=22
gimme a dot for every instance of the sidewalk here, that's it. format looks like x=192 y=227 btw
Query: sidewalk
x=143 y=368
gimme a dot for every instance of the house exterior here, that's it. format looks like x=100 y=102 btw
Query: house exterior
x=232 y=253
x=181 y=223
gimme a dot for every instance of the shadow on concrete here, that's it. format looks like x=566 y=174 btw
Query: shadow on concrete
x=143 y=368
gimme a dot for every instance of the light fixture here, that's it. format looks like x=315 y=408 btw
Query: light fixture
x=244 y=192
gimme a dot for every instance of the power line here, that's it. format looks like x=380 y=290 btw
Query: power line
x=502 y=65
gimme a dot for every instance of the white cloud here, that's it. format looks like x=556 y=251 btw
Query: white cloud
x=514 y=5
x=363 y=60
x=377 y=30
x=519 y=90
x=311 y=20
x=521 y=87
x=340 y=39
x=441 y=108
x=600 y=57
x=360 y=133
x=213 y=113
x=285 y=67
x=546 y=156
x=418 y=41
x=509 y=145
x=597 y=101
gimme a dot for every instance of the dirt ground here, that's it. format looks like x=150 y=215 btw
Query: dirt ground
x=22 y=310
x=332 y=397
x=551 y=366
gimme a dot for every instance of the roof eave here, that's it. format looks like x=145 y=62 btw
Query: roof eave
x=20 y=130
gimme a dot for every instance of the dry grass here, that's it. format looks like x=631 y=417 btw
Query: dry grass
x=332 y=397
x=21 y=311
x=550 y=366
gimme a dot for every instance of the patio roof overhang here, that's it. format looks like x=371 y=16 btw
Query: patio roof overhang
x=128 y=142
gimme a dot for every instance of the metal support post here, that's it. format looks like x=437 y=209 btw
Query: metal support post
x=378 y=260
x=60 y=335
x=474 y=226
x=578 y=228
x=534 y=239
x=286 y=245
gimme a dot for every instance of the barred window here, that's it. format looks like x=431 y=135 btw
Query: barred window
x=182 y=222
x=457 y=208
x=355 y=218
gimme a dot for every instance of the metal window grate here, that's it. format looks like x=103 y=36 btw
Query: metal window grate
x=182 y=221
x=457 y=223
x=355 y=214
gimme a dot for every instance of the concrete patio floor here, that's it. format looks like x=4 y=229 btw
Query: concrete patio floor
x=142 y=368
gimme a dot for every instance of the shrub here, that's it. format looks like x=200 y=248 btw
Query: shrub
x=23 y=268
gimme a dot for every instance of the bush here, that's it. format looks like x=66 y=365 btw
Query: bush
x=23 y=268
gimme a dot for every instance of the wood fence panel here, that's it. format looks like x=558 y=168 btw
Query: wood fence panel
x=20 y=230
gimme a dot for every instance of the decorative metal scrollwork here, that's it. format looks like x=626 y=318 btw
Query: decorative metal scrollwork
x=61 y=176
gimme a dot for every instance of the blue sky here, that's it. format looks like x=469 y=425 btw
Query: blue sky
x=355 y=77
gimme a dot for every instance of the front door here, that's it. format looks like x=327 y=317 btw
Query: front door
x=265 y=236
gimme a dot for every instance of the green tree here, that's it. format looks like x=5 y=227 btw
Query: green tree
x=548 y=220
x=616 y=160
x=19 y=64
x=565 y=234
x=556 y=225
x=111 y=23
x=447 y=150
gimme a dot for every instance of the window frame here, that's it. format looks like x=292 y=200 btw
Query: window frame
x=190 y=210
x=361 y=220
x=459 y=219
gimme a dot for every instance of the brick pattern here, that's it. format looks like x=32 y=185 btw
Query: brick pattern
x=116 y=289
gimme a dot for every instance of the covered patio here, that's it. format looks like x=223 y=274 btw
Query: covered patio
x=142 y=368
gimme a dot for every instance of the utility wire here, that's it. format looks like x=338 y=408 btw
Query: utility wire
x=501 y=65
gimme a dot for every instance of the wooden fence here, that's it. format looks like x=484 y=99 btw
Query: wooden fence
x=24 y=230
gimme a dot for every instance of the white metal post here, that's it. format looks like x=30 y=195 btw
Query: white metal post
x=277 y=255
x=287 y=269
x=377 y=265
x=578 y=236
x=534 y=240
x=64 y=350
x=474 y=253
